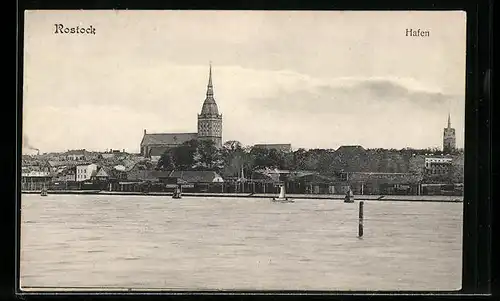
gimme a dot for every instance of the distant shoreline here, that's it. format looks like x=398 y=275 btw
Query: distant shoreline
x=402 y=198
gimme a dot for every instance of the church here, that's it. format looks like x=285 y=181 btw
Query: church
x=209 y=128
x=449 y=139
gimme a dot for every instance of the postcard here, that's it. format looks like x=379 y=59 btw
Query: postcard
x=175 y=150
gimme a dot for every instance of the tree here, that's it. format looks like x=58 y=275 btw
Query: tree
x=269 y=158
x=232 y=146
x=288 y=162
x=235 y=158
x=207 y=156
x=166 y=161
x=299 y=157
x=235 y=163
x=144 y=165
x=457 y=168
x=434 y=150
x=325 y=163
x=311 y=161
x=260 y=157
x=183 y=155
x=276 y=158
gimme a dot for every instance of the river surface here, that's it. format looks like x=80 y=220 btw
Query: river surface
x=141 y=242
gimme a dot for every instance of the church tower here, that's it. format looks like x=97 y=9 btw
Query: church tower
x=449 y=141
x=210 y=121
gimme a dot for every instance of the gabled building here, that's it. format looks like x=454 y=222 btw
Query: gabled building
x=138 y=174
x=310 y=182
x=36 y=165
x=105 y=174
x=439 y=169
x=155 y=144
x=84 y=172
x=66 y=174
x=438 y=165
x=200 y=181
x=102 y=174
x=35 y=180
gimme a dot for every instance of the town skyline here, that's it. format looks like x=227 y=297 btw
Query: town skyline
x=105 y=90
x=29 y=149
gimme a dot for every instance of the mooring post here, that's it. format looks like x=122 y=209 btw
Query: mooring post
x=360 y=228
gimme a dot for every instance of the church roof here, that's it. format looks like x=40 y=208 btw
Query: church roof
x=158 y=150
x=167 y=138
x=209 y=106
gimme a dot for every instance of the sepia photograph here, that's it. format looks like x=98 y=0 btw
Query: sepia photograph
x=206 y=150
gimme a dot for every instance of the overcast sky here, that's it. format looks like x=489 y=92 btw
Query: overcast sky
x=312 y=79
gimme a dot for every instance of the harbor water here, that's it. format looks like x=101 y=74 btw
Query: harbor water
x=197 y=243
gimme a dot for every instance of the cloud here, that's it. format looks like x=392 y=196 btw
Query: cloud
x=354 y=96
x=282 y=106
x=374 y=112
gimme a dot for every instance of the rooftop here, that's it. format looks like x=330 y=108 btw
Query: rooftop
x=350 y=148
x=167 y=138
x=278 y=146
x=195 y=176
x=76 y=152
x=209 y=107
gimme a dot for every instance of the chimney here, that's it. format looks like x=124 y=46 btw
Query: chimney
x=144 y=131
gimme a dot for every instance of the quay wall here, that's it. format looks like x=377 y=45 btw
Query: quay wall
x=411 y=198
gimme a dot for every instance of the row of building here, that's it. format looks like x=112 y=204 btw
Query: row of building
x=78 y=155
x=141 y=178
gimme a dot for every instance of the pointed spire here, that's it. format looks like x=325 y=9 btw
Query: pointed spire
x=210 y=88
x=209 y=106
x=449 y=120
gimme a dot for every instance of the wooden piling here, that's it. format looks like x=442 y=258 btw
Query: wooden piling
x=360 y=228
